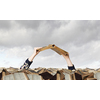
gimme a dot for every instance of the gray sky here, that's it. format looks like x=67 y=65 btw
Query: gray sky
x=81 y=38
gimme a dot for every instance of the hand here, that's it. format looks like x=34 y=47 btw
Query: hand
x=36 y=51
x=66 y=56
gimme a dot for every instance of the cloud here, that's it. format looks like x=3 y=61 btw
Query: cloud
x=30 y=33
x=5 y=24
x=80 y=38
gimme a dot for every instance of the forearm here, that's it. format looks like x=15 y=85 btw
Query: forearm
x=69 y=63
x=34 y=54
x=29 y=61
x=32 y=57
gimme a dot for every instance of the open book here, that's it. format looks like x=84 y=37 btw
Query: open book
x=55 y=48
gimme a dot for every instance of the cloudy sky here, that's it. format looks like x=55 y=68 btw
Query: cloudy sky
x=81 y=38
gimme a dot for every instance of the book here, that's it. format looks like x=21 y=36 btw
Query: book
x=54 y=48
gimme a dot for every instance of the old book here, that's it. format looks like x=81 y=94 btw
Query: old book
x=34 y=77
x=67 y=76
x=55 y=48
x=9 y=77
x=20 y=76
x=16 y=76
x=97 y=75
x=91 y=79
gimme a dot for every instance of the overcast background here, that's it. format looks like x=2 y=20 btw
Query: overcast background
x=81 y=38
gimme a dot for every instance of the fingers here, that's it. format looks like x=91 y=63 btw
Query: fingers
x=36 y=50
x=66 y=56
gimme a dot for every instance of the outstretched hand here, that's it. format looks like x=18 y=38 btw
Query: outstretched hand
x=66 y=56
x=36 y=51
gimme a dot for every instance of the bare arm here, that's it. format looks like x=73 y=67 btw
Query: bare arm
x=67 y=58
x=29 y=61
x=34 y=54
x=69 y=63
